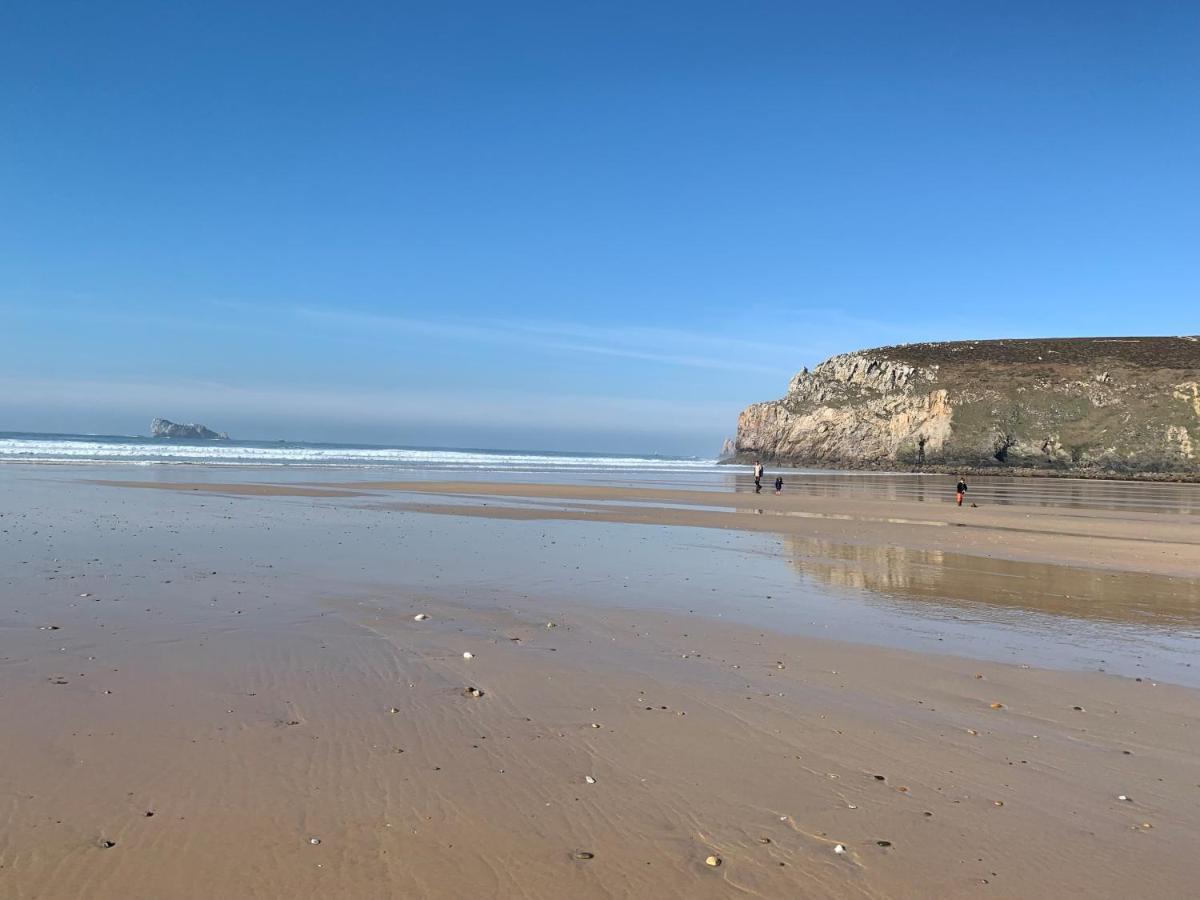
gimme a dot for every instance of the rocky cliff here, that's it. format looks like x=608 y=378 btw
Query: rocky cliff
x=164 y=428
x=1109 y=405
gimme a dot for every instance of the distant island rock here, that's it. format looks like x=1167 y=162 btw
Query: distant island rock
x=1123 y=407
x=728 y=449
x=164 y=428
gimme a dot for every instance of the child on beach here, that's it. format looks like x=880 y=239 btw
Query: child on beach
x=779 y=484
x=960 y=490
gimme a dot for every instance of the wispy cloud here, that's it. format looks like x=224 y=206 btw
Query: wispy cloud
x=658 y=345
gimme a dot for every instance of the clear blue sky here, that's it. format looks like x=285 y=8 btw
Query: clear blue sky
x=603 y=226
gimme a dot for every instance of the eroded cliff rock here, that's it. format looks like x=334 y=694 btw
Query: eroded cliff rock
x=1118 y=404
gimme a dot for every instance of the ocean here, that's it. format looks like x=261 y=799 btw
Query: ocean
x=32 y=447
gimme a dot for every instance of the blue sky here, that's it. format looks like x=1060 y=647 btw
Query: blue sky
x=595 y=226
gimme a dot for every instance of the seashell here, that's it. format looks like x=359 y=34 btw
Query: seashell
x=713 y=861
x=420 y=617
x=884 y=843
x=467 y=654
x=583 y=854
x=1124 y=797
x=838 y=848
x=997 y=706
x=589 y=779
x=314 y=840
x=472 y=692
x=107 y=845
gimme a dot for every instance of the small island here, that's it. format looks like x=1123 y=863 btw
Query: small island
x=165 y=428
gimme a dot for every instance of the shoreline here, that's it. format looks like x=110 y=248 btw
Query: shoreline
x=973 y=471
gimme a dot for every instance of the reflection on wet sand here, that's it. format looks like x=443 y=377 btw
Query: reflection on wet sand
x=977 y=581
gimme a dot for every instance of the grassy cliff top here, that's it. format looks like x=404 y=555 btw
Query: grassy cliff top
x=1131 y=352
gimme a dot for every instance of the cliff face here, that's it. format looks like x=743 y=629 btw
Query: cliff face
x=168 y=429
x=1115 y=404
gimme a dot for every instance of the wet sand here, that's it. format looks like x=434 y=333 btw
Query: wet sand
x=242 y=662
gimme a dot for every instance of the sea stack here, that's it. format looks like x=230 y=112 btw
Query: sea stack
x=164 y=428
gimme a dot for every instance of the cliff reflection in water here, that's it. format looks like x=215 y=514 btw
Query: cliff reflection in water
x=954 y=579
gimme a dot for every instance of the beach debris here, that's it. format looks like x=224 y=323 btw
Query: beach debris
x=713 y=861
x=50 y=627
x=149 y=814
x=394 y=710
x=420 y=617
x=467 y=654
x=553 y=625
x=583 y=854
x=997 y=706
x=839 y=849
x=314 y=841
x=1124 y=797
x=85 y=595
x=589 y=779
x=472 y=692
x=595 y=724
x=881 y=778
x=884 y=843
x=851 y=806
x=764 y=840
x=997 y=803
x=1078 y=709
x=107 y=845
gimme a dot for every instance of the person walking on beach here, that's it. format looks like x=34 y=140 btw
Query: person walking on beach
x=779 y=484
x=758 y=474
x=960 y=490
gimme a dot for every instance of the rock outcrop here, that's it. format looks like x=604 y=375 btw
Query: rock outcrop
x=164 y=428
x=1118 y=405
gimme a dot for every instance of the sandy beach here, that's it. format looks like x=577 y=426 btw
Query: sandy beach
x=216 y=686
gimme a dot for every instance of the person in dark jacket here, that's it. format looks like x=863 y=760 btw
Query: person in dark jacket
x=960 y=490
x=779 y=484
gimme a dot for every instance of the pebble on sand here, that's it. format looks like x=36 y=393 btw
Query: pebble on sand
x=589 y=779
x=314 y=841
x=472 y=692
x=713 y=861
x=420 y=617
x=583 y=854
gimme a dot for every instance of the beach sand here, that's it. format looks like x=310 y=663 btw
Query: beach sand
x=224 y=679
